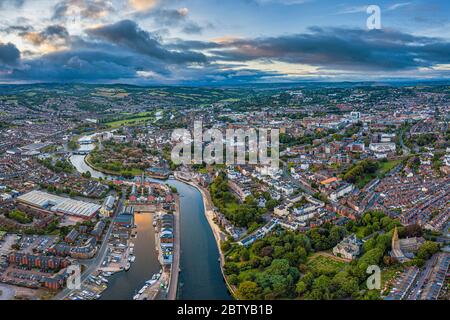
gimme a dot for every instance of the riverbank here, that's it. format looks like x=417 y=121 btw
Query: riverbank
x=175 y=267
x=219 y=235
x=134 y=172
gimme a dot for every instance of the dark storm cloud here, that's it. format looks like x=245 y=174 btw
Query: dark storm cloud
x=348 y=49
x=125 y=51
x=101 y=63
x=89 y=65
x=9 y=54
x=127 y=34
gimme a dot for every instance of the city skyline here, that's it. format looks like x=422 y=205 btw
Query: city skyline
x=234 y=42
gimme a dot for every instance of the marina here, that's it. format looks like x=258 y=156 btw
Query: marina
x=198 y=275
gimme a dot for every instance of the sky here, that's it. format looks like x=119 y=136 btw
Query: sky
x=202 y=42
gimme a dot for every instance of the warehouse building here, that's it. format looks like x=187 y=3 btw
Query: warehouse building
x=61 y=205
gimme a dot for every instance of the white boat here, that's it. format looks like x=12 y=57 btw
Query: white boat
x=104 y=279
x=136 y=297
x=132 y=259
x=128 y=266
x=150 y=282
x=143 y=289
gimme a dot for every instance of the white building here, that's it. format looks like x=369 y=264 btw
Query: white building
x=281 y=211
x=349 y=248
x=341 y=191
x=382 y=147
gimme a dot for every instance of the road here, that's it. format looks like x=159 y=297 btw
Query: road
x=416 y=290
x=295 y=182
x=406 y=150
x=174 y=272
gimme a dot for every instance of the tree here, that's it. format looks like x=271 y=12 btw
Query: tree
x=87 y=174
x=248 y=290
x=279 y=267
x=225 y=246
x=271 y=204
x=72 y=145
x=301 y=287
x=427 y=250
x=320 y=288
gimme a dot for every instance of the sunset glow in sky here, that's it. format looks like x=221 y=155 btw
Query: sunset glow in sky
x=221 y=41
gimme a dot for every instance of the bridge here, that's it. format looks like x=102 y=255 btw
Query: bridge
x=81 y=152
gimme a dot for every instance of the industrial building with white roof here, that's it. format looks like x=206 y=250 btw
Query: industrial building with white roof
x=59 y=204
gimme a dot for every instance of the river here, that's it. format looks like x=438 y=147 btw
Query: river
x=200 y=276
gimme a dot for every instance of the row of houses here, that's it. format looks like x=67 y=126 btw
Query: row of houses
x=260 y=233
x=41 y=262
x=166 y=238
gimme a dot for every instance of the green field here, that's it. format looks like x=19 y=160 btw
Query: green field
x=385 y=167
x=132 y=120
x=117 y=124
x=324 y=265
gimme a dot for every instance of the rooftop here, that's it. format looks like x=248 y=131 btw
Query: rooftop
x=59 y=204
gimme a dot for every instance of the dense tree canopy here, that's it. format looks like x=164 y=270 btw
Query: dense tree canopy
x=240 y=214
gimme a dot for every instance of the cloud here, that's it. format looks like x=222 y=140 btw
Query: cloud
x=342 y=49
x=396 y=6
x=192 y=28
x=51 y=34
x=163 y=17
x=127 y=34
x=52 y=38
x=285 y=2
x=166 y=17
x=352 y=9
x=9 y=54
x=13 y=3
x=124 y=52
x=90 y=9
x=143 y=5
x=19 y=29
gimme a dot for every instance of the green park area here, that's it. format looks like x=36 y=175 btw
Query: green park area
x=324 y=264
x=129 y=120
x=366 y=170
x=19 y=216
x=118 y=159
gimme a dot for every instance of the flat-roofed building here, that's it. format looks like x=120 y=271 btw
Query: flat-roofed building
x=61 y=205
